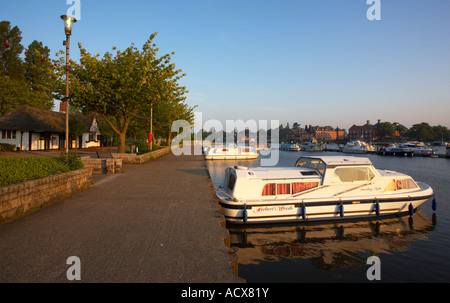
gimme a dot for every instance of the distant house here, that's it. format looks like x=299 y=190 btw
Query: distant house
x=366 y=132
x=30 y=128
x=327 y=133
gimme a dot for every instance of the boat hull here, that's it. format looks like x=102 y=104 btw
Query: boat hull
x=396 y=153
x=322 y=209
x=230 y=157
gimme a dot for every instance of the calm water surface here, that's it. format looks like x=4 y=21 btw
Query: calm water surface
x=414 y=250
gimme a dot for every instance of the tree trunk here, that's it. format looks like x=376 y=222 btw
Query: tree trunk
x=121 y=142
x=169 y=137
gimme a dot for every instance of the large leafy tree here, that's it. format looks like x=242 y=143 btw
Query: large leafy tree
x=385 y=130
x=29 y=82
x=12 y=81
x=40 y=75
x=421 y=132
x=10 y=51
x=121 y=86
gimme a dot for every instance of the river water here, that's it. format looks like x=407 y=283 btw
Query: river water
x=409 y=250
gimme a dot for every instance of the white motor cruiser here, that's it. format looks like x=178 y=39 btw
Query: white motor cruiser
x=318 y=188
x=230 y=152
x=357 y=147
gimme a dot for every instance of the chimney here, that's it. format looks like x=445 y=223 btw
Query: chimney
x=62 y=107
x=368 y=122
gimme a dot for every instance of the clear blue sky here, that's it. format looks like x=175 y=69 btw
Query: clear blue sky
x=319 y=62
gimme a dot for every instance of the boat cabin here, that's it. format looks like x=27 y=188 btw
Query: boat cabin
x=309 y=174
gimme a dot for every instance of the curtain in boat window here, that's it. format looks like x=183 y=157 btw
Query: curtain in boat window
x=299 y=187
x=400 y=184
x=405 y=184
x=284 y=189
x=269 y=190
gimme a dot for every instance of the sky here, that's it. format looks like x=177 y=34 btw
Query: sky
x=314 y=62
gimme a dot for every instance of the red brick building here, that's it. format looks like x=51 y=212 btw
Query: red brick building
x=365 y=132
x=327 y=133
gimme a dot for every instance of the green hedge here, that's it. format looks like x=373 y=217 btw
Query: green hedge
x=15 y=170
x=7 y=147
x=143 y=147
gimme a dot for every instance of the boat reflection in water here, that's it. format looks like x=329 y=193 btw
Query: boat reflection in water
x=329 y=245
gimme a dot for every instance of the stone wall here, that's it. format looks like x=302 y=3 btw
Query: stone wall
x=140 y=159
x=103 y=165
x=21 y=198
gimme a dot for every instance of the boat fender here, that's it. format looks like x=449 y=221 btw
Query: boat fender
x=341 y=209
x=411 y=209
x=245 y=213
x=377 y=208
x=303 y=211
x=433 y=204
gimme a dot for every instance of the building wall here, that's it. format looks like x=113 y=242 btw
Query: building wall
x=366 y=132
x=21 y=139
x=87 y=142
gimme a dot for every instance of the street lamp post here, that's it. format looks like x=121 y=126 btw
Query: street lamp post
x=68 y=23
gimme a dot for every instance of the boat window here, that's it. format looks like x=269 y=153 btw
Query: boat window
x=352 y=174
x=269 y=189
x=231 y=182
x=401 y=184
x=302 y=162
x=316 y=164
x=309 y=173
x=299 y=187
x=284 y=189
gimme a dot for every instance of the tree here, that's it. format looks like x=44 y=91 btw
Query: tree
x=440 y=132
x=385 y=130
x=421 y=132
x=40 y=75
x=76 y=129
x=120 y=86
x=10 y=51
x=12 y=80
x=31 y=82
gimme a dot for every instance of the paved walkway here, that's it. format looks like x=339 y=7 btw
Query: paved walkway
x=155 y=222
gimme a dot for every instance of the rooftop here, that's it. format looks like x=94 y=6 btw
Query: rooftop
x=342 y=160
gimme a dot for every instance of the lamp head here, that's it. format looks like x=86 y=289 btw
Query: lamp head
x=68 y=23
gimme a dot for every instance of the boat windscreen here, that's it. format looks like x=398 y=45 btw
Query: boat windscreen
x=316 y=164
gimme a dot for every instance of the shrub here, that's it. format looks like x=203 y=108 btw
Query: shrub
x=143 y=147
x=70 y=160
x=15 y=170
x=7 y=147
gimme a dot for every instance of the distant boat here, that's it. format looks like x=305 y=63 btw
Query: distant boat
x=310 y=146
x=290 y=147
x=357 y=147
x=418 y=148
x=331 y=147
x=230 y=152
x=395 y=150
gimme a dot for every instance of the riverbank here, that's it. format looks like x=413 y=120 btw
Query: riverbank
x=154 y=222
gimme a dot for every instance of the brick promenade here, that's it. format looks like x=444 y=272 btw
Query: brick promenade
x=154 y=222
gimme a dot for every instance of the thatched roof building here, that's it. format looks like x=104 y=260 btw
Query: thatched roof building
x=35 y=124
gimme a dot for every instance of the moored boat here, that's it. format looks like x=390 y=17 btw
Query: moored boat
x=357 y=147
x=310 y=146
x=418 y=148
x=396 y=150
x=317 y=188
x=230 y=152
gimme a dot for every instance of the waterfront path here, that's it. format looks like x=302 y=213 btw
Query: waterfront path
x=154 y=222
